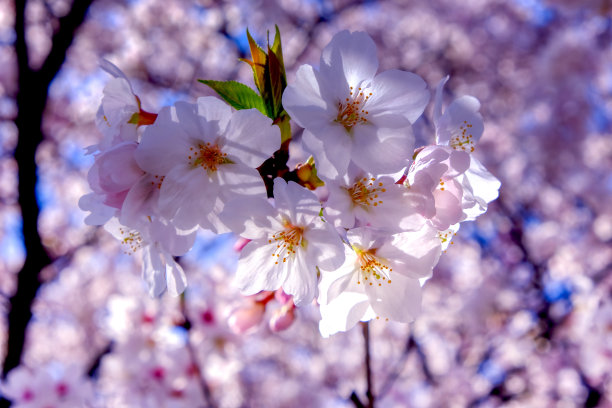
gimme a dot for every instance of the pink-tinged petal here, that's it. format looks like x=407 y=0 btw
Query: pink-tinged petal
x=343 y=313
x=113 y=70
x=100 y=213
x=399 y=300
x=141 y=200
x=324 y=246
x=301 y=281
x=303 y=100
x=248 y=217
x=175 y=278
x=236 y=179
x=153 y=270
x=352 y=56
x=377 y=152
x=164 y=145
x=398 y=92
x=257 y=270
x=448 y=207
x=295 y=202
x=251 y=137
x=186 y=196
x=197 y=128
x=117 y=168
x=331 y=150
x=459 y=162
x=412 y=254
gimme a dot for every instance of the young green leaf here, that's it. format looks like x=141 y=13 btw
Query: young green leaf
x=237 y=95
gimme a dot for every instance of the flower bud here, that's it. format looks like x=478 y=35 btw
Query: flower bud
x=283 y=318
x=246 y=317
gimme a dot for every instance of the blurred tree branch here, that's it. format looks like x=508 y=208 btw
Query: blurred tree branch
x=31 y=100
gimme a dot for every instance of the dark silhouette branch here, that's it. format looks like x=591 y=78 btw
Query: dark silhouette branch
x=31 y=101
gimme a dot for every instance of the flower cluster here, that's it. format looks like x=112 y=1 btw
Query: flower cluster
x=360 y=244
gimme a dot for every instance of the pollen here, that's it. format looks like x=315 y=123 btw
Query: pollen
x=365 y=193
x=462 y=139
x=208 y=156
x=352 y=111
x=287 y=241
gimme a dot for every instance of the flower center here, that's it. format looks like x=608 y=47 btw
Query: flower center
x=352 y=111
x=462 y=140
x=365 y=192
x=207 y=156
x=131 y=239
x=371 y=268
x=286 y=242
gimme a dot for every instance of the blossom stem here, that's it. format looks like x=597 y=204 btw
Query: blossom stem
x=365 y=326
x=210 y=403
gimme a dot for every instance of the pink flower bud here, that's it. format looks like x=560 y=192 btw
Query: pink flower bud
x=283 y=318
x=246 y=317
x=281 y=297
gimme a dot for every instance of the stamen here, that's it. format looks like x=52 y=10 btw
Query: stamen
x=372 y=266
x=352 y=111
x=207 y=156
x=287 y=242
x=461 y=139
x=131 y=239
x=364 y=193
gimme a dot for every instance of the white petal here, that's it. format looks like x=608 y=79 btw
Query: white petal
x=399 y=300
x=343 y=313
x=248 y=217
x=297 y=203
x=214 y=110
x=175 y=278
x=332 y=150
x=257 y=270
x=352 y=53
x=301 y=281
x=173 y=241
x=382 y=151
x=186 y=196
x=164 y=145
x=398 y=92
x=437 y=112
x=251 y=137
x=324 y=247
x=303 y=100
x=237 y=179
x=100 y=213
x=153 y=270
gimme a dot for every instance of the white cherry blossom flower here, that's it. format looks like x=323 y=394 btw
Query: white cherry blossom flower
x=159 y=242
x=289 y=243
x=360 y=199
x=355 y=114
x=120 y=111
x=207 y=155
x=378 y=279
x=460 y=127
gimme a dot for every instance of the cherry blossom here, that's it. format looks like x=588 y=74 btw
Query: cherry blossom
x=355 y=114
x=289 y=244
x=379 y=278
x=207 y=156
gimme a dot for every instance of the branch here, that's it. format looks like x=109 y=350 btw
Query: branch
x=365 y=327
x=31 y=101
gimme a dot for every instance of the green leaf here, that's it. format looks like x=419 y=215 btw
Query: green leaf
x=237 y=95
